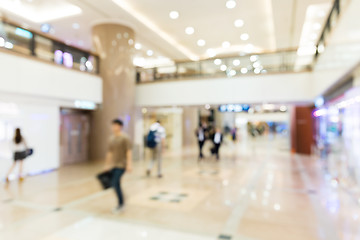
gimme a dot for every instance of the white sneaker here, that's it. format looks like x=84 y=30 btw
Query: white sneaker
x=118 y=209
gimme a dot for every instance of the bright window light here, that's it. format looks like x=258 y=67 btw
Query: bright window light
x=45 y=11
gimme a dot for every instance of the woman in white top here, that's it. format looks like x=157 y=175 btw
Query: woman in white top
x=19 y=148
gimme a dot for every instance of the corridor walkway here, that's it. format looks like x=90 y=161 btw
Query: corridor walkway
x=258 y=191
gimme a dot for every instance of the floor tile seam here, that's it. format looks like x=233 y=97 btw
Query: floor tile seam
x=327 y=225
x=243 y=202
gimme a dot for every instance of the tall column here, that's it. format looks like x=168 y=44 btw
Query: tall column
x=114 y=44
x=190 y=124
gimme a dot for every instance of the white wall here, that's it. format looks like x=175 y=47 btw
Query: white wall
x=246 y=89
x=21 y=75
x=40 y=126
x=31 y=95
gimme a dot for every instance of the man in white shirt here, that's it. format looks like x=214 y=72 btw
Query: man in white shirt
x=156 y=152
x=217 y=140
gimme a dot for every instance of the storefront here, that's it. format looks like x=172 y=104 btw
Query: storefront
x=337 y=125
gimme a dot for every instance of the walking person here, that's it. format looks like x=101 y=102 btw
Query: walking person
x=201 y=137
x=156 y=143
x=19 y=148
x=217 y=139
x=118 y=160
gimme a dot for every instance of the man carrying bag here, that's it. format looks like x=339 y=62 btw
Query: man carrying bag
x=118 y=161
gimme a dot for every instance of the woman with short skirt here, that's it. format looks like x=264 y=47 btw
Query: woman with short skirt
x=19 y=148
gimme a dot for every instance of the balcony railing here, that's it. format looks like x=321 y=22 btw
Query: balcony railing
x=230 y=66
x=331 y=22
x=43 y=47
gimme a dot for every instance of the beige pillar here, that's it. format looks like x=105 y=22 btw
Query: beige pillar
x=114 y=44
x=190 y=124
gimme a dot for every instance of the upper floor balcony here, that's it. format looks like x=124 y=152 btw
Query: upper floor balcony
x=297 y=60
x=42 y=47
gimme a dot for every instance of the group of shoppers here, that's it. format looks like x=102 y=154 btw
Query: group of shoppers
x=119 y=154
x=204 y=133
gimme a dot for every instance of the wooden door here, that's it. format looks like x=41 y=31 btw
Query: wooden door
x=74 y=138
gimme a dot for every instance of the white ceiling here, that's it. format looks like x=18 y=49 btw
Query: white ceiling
x=271 y=24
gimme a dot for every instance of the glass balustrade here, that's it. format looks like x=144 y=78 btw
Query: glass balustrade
x=17 y=39
x=230 y=66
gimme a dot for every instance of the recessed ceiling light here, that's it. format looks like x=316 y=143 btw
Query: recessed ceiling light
x=223 y=67
x=189 y=30
x=244 y=70
x=230 y=4
x=76 y=26
x=149 y=53
x=138 y=46
x=174 y=14
x=217 y=61
x=236 y=62
x=211 y=52
x=239 y=23
x=244 y=36
x=226 y=44
x=201 y=42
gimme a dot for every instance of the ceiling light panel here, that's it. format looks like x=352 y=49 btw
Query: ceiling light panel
x=314 y=20
x=42 y=11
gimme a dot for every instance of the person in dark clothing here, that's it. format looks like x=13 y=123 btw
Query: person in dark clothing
x=217 y=139
x=201 y=137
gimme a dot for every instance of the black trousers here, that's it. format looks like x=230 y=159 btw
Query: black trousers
x=117 y=173
x=216 y=150
x=201 y=145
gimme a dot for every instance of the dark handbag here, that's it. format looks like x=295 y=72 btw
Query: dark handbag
x=29 y=152
x=105 y=179
x=212 y=150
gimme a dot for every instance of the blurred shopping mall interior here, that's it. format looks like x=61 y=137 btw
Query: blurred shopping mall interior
x=274 y=85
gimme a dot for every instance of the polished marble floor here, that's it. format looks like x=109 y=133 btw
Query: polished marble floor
x=258 y=191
